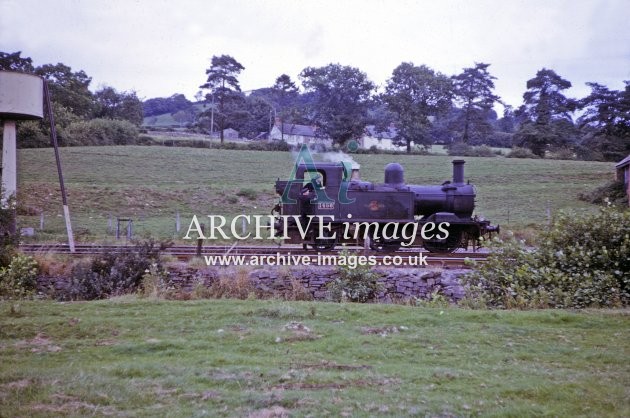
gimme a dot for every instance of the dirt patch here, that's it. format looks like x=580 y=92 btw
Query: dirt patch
x=106 y=342
x=16 y=385
x=70 y=405
x=331 y=365
x=355 y=383
x=162 y=392
x=299 y=332
x=39 y=344
x=273 y=412
x=298 y=337
x=382 y=331
x=325 y=385
x=297 y=327
x=223 y=375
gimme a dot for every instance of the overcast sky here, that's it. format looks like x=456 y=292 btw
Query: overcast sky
x=158 y=48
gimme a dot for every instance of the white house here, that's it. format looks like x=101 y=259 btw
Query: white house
x=383 y=140
x=294 y=134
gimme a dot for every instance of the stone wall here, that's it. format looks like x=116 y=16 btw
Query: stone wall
x=397 y=284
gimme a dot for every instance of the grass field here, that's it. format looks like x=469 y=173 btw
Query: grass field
x=234 y=358
x=166 y=119
x=152 y=184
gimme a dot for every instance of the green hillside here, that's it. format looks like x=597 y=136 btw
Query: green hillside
x=166 y=119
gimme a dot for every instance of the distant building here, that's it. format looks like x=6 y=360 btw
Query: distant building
x=294 y=134
x=228 y=133
x=381 y=139
x=623 y=174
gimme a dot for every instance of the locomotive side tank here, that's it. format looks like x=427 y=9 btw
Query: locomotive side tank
x=455 y=196
x=334 y=190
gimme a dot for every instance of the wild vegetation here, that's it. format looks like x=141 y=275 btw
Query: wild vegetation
x=580 y=261
x=8 y=240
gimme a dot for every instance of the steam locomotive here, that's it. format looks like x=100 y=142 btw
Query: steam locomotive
x=364 y=213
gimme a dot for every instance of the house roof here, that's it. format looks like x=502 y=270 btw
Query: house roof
x=389 y=133
x=295 y=129
x=623 y=163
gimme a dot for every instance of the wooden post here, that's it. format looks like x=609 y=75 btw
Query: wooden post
x=53 y=140
x=200 y=240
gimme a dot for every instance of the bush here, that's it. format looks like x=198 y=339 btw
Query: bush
x=146 y=140
x=101 y=132
x=31 y=134
x=613 y=192
x=587 y=153
x=517 y=152
x=465 y=150
x=154 y=282
x=19 y=279
x=114 y=273
x=359 y=284
x=582 y=261
x=250 y=194
x=8 y=241
x=561 y=154
x=232 y=285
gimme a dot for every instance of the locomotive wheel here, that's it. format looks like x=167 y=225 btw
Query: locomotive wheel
x=448 y=245
x=384 y=246
x=327 y=244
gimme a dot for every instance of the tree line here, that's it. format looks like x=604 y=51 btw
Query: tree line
x=82 y=117
x=427 y=107
x=422 y=106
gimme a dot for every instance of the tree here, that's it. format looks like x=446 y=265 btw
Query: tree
x=544 y=106
x=223 y=83
x=415 y=95
x=254 y=117
x=605 y=122
x=68 y=88
x=340 y=98
x=473 y=90
x=111 y=104
x=162 y=105
x=544 y=101
x=508 y=122
x=285 y=92
x=14 y=62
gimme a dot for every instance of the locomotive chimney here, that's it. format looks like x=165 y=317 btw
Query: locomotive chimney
x=355 y=172
x=458 y=172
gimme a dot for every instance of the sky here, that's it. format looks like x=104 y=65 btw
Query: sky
x=158 y=48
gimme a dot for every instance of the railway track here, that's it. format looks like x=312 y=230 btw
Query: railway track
x=409 y=256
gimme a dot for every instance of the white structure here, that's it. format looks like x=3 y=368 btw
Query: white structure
x=294 y=134
x=21 y=98
x=383 y=140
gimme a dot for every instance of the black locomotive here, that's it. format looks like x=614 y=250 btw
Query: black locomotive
x=365 y=213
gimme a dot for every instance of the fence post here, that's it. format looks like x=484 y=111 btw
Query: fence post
x=199 y=240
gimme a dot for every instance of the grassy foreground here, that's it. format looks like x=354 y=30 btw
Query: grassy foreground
x=236 y=358
x=152 y=184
